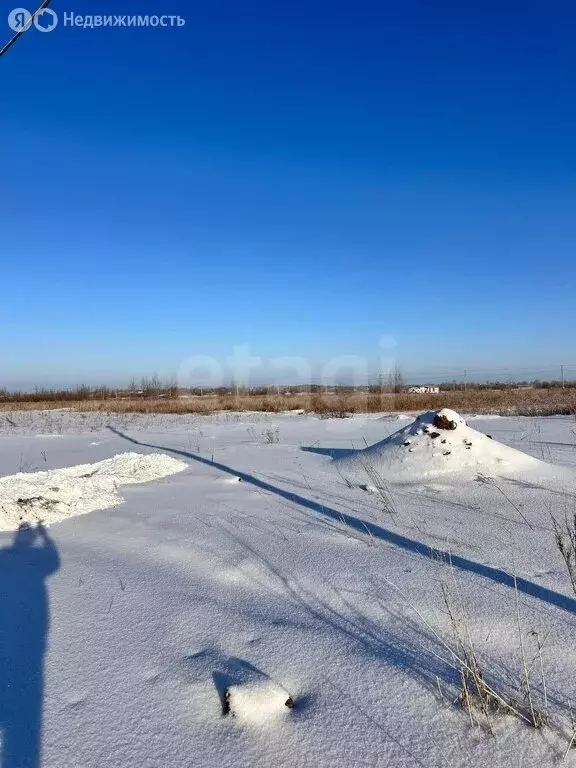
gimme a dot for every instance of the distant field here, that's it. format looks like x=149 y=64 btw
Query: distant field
x=526 y=402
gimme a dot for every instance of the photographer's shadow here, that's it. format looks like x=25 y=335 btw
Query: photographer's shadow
x=24 y=622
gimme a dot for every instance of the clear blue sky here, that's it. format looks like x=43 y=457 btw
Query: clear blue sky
x=302 y=177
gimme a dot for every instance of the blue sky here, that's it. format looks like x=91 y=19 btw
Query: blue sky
x=302 y=179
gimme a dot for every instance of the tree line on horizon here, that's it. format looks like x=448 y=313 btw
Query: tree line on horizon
x=155 y=387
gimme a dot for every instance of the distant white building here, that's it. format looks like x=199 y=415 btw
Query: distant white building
x=423 y=390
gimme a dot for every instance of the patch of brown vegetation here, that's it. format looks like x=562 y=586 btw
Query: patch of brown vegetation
x=443 y=422
x=523 y=402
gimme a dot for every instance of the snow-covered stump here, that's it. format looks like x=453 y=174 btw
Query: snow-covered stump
x=250 y=695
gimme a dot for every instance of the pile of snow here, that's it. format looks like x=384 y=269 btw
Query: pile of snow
x=257 y=701
x=250 y=695
x=436 y=443
x=57 y=494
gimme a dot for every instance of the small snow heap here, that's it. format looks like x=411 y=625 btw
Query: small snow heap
x=436 y=443
x=258 y=700
x=250 y=695
x=57 y=494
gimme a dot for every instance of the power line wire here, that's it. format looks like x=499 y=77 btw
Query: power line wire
x=20 y=32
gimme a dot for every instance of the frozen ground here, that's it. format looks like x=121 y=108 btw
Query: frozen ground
x=264 y=572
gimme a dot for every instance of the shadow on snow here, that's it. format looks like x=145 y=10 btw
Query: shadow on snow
x=496 y=575
x=24 y=623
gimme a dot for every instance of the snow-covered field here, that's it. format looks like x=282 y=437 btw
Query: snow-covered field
x=288 y=576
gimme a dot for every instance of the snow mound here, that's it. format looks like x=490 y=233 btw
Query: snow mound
x=258 y=700
x=250 y=695
x=436 y=443
x=57 y=494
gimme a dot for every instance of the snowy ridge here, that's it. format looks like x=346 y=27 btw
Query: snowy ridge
x=57 y=494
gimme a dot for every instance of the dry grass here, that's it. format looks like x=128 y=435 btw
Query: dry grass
x=565 y=538
x=524 y=402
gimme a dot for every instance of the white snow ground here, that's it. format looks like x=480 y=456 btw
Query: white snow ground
x=260 y=572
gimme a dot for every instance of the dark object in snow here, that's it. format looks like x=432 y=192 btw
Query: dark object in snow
x=41 y=501
x=443 y=422
x=434 y=435
x=225 y=699
x=443 y=441
x=447 y=453
x=406 y=443
x=490 y=436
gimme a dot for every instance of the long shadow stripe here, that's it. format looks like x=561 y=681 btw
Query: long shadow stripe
x=411 y=545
